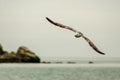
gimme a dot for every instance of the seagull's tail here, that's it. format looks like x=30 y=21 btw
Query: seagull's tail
x=92 y=45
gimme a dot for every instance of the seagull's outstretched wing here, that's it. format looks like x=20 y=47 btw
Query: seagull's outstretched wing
x=92 y=45
x=61 y=25
x=69 y=28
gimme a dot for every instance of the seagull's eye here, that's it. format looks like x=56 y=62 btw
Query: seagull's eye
x=78 y=35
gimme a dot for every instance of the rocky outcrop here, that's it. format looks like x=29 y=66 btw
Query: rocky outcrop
x=23 y=55
x=1 y=50
x=26 y=55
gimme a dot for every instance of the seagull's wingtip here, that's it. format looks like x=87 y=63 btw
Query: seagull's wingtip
x=103 y=53
x=46 y=17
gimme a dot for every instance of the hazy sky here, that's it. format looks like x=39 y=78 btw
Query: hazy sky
x=22 y=22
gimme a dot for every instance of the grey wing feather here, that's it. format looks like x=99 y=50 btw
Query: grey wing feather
x=92 y=45
x=61 y=25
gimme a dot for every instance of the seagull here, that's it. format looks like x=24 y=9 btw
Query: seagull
x=78 y=35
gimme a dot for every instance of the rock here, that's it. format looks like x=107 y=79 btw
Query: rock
x=9 y=58
x=23 y=55
x=90 y=62
x=1 y=50
x=26 y=55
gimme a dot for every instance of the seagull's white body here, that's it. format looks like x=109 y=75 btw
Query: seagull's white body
x=79 y=34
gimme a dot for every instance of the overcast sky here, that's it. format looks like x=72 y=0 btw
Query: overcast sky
x=23 y=23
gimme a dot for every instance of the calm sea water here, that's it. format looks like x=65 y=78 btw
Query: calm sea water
x=59 y=72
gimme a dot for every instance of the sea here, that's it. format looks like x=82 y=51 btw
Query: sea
x=63 y=69
x=60 y=71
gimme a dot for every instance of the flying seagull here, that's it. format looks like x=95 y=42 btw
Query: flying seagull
x=79 y=34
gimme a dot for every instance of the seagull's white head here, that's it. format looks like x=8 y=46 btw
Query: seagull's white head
x=78 y=35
